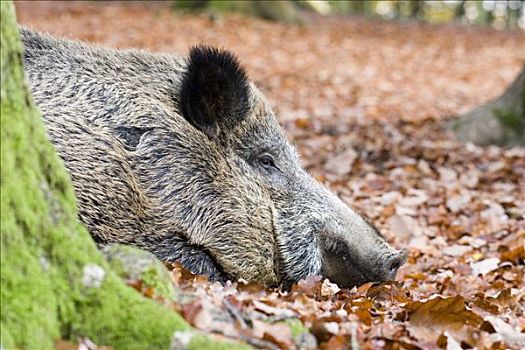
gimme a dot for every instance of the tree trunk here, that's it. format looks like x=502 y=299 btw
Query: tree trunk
x=55 y=283
x=416 y=8
x=500 y=122
x=285 y=11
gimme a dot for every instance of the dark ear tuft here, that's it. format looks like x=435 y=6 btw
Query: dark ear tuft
x=214 y=91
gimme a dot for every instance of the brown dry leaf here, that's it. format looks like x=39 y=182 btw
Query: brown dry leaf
x=515 y=250
x=338 y=342
x=328 y=289
x=180 y=274
x=342 y=163
x=361 y=308
x=427 y=319
x=415 y=200
x=279 y=334
x=363 y=289
x=389 y=291
x=250 y=287
x=195 y=314
x=203 y=315
x=505 y=300
x=65 y=345
x=403 y=226
x=324 y=330
x=310 y=286
x=456 y=250
x=271 y=310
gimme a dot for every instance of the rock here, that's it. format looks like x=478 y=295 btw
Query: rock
x=93 y=276
x=133 y=264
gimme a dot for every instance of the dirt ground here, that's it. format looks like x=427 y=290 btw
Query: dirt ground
x=368 y=102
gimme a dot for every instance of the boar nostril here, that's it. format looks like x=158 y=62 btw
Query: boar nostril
x=392 y=271
x=395 y=264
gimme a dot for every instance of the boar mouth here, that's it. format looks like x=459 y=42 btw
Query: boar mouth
x=341 y=264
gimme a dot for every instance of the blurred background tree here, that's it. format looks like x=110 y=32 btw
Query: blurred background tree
x=501 y=121
x=499 y=14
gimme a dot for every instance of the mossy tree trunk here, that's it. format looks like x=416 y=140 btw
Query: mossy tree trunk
x=500 y=122
x=55 y=283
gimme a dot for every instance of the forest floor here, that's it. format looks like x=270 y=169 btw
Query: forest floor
x=367 y=103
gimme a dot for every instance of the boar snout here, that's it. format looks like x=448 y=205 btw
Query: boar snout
x=345 y=265
x=354 y=252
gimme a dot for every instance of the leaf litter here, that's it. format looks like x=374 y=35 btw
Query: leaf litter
x=367 y=103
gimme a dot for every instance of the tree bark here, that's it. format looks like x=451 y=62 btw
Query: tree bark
x=55 y=283
x=500 y=122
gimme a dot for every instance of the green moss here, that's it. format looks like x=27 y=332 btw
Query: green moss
x=188 y=4
x=512 y=115
x=455 y=125
x=511 y=120
x=155 y=279
x=244 y=7
x=28 y=309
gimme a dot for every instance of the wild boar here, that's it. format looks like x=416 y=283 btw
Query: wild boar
x=184 y=157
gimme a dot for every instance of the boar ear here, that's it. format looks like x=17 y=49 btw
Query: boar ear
x=214 y=91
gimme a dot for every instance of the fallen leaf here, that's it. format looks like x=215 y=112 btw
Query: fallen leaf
x=342 y=163
x=457 y=202
x=324 y=330
x=509 y=334
x=404 y=227
x=277 y=333
x=338 y=342
x=328 y=289
x=452 y=344
x=484 y=266
x=271 y=310
x=427 y=319
x=456 y=250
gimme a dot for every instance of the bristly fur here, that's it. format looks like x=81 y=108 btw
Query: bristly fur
x=166 y=153
x=215 y=90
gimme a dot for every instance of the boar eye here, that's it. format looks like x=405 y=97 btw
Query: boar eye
x=266 y=160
